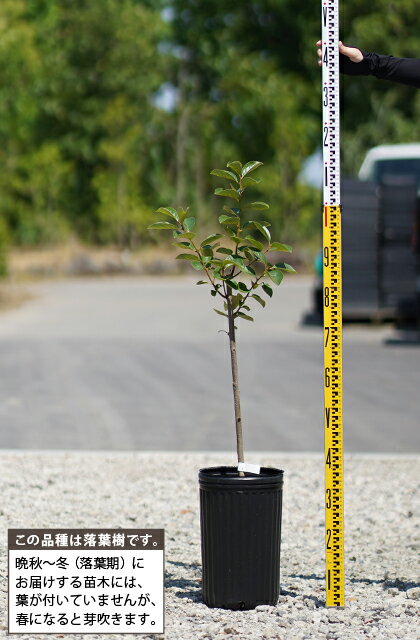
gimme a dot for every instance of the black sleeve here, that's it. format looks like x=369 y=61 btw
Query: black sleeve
x=403 y=70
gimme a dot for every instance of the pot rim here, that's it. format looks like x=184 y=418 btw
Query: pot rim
x=229 y=475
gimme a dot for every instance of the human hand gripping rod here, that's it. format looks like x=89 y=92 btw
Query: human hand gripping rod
x=332 y=304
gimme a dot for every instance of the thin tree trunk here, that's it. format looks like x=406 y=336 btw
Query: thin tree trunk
x=235 y=381
x=181 y=139
x=200 y=186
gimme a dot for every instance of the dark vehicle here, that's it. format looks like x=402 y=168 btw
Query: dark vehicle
x=380 y=237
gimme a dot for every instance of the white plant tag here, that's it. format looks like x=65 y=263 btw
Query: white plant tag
x=250 y=468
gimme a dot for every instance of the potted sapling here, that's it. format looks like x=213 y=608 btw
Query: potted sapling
x=240 y=507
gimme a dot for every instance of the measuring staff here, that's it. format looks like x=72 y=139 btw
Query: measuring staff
x=332 y=285
x=334 y=56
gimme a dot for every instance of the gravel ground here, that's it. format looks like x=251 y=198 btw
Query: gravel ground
x=160 y=490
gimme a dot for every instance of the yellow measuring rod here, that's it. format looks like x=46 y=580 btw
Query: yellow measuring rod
x=332 y=304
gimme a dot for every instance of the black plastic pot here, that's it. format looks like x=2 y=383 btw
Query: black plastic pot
x=240 y=536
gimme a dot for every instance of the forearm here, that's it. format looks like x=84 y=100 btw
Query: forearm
x=402 y=70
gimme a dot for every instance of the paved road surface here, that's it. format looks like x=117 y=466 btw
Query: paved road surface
x=131 y=363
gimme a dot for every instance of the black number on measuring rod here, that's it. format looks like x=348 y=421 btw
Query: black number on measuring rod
x=327 y=331
x=326 y=297
x=327 y=416
x=326 y=137
x=328 y=499
x=328 y=458
x=325 y=15
x=325 y=97
x=325 y=58
x=327 y=377
x=326 y=257
x=328 y=539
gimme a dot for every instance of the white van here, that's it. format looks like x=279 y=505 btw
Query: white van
x=391 y=160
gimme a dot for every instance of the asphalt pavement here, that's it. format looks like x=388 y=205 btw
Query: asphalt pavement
x=143 y=364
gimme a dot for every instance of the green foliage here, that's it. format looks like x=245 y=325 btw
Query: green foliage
x=4 y=244
x=235 y=264
x=75 y=100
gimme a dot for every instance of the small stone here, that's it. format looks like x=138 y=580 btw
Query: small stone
x=264 y=607
x=302 y=618
x=310 y=604
x=333 y=617
x=413 y=594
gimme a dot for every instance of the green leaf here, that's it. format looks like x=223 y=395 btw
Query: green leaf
x=221 y=313
x=259 y=299
x=255 y=243
x=249 y=182
x=222 y=173
x=276 y=275
x=187 y=256
x=283 y=266
x=169 y=211
x=261 y=256
x=197 y=266
x=250 y=166
x=232 y=283
x=225 y=250
x=187 y=234
x=162 y=225
x=213 y=293
x=189 y=223
x=242 y=286
x=182 y=213
x=202 y=282
x=236 y=166
x=238 y=262
x=232 y=210
x=244 y=316
x=212 y=238
x=258 y=206
x=264 y=230
x=184 y=245
x=228 y=220
x=268 y=290
x=236 y=300
x=235 y=238
x=279 y=246
x=227 y=193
